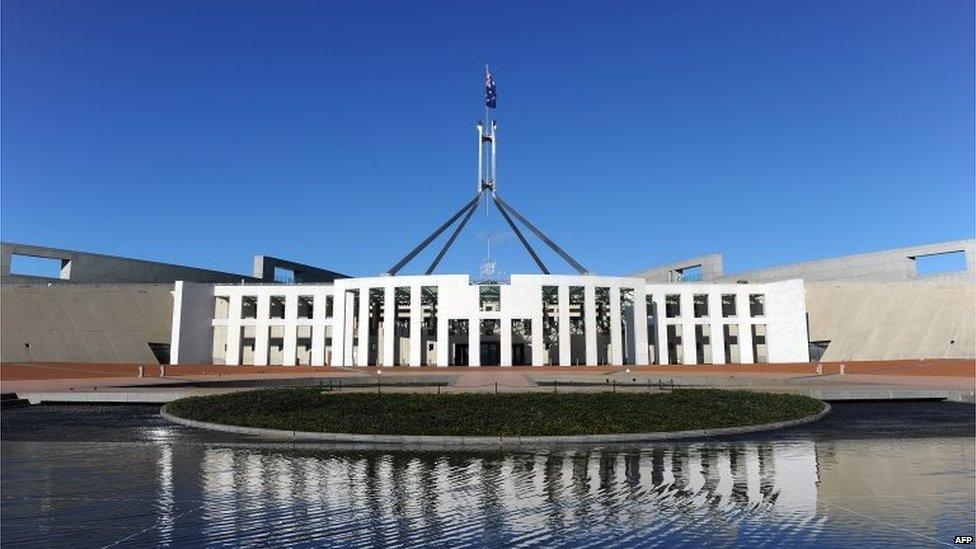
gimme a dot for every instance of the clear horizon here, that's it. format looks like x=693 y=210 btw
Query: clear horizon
x=340 y=135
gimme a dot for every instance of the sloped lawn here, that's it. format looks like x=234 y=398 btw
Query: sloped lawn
x=525 y=414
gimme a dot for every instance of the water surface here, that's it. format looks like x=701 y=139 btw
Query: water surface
x=868 y=474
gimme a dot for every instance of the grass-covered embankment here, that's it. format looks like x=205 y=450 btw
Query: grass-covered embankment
x=524 y=414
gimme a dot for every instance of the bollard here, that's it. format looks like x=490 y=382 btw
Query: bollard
x=842 y=368
x=162 y=370
x=496 y=387
x=142 y=371
x=438 y=389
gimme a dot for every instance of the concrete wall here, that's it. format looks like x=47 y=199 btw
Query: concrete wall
x=923 y=319
x=85 y=267
x=885 y=266
x=84 y=322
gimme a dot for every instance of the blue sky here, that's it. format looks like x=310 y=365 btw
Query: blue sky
x=341 y=133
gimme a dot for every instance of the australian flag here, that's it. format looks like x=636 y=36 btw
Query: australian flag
x=491 y=95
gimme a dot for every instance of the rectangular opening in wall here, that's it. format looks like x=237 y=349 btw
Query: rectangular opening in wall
x=491 y=331
x=672 y=305
x=457 y=332
x=728 y=305
x=817 y=350
x=550 y=324
x=690 y=274
x=675 y=352
x=303 y=345
x=628 y=331
x=376 y=310
x=759 y=343
x=328 y=345
x=757 y=305
x=490 y=298
x=401 y=329
x=277 y=306
x=329 y=306
x=937 y=264
x=521 y=341
x=219 y=348
x=730 y=335
x=221 y=307
x=700 y=302
x=160 y=351
x=276 y=345
x=247 y=342
x=428 y=329
x=29 y=265
x=249 y=306
x=305 y=304
x=283 y=275
x=703 y=344
x=602 y=304
x=577 y=326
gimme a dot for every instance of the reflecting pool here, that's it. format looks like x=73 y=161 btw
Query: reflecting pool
x=869 y=474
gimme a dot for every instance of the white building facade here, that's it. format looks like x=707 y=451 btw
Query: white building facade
x=446 y=320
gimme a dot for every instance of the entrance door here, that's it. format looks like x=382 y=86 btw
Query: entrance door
x=460 y=354
x=518 y=354
x=490 y=353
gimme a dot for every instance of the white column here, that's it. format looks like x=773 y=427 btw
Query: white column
x=715 y=318
x=318 y=329
x=389 y=324
x=416 y=320
x=745 y=341
x=474 y=342
x=616 y=349
x=640 y=326
x=362 y=357
x=233 y=356
x=688 y=327
x=662 y=327
x=538 y=337
x=565 y=342
x=261 y=334
x=346 y=334
x=442 y=335
x=505 y=341
x=291 y=330
x=589 y=322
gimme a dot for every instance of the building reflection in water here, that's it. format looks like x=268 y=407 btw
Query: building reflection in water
x=374 y=497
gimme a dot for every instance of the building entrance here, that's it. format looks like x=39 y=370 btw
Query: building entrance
x=490 y=353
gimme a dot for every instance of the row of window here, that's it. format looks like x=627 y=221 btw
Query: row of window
x=672 y=305
x=490 y=300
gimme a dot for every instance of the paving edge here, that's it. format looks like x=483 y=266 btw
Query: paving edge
x=458 y=441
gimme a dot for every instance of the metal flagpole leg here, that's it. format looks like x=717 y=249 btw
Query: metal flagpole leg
x=520 y=236
x=454 y=235
x=576 y=265
x=406 y=259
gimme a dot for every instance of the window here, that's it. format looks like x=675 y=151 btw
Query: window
x=701 y=305
x=728 y=305
x=944 y=263
x=757 y=305
x=490 y=298
x=283 y=275
x=221 y=307
x=759 y=343
x=47 y=267
x=305 y=303
x=277 y=306
x=672 y=305
x=249 y=306
x=329 y=301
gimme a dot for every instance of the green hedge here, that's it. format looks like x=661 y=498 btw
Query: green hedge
x=523 y=414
